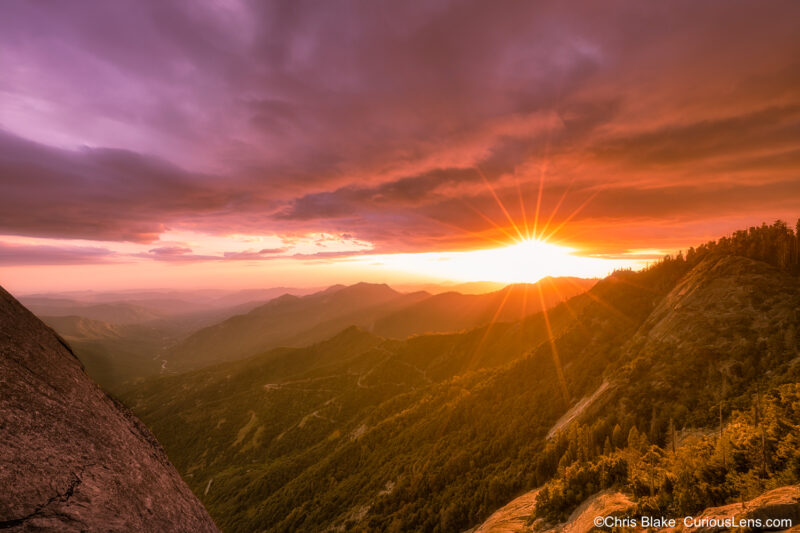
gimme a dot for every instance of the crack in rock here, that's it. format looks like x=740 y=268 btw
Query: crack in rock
x=63 y=498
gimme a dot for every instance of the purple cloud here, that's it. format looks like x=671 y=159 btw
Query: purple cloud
x=123 y=120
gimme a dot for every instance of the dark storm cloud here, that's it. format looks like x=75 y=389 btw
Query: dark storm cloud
x=378 y=118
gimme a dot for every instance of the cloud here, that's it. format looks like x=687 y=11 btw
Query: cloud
x=98 y=194
x=183 y=254
x=175 y=254
x=170 y=251
x=378 y=120
x=772 y=128
x=24 y=254
x=252 y=255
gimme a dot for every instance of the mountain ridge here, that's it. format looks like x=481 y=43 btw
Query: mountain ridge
x=296 y=321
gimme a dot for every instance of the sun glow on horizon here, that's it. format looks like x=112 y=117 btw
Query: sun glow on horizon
x=525 y=261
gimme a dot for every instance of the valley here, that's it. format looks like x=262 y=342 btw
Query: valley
x=122 y=342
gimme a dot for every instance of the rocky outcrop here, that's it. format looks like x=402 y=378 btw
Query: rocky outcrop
x=72 y=458
x=779 y=504
x=577 y=410
x=606 y=503
x=721 y=302
x=517 y=516
x=512 y=517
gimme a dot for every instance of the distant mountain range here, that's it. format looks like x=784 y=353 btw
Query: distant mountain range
x=298 y=321
x=110 y=312
x=453 y=311
x=123 y=341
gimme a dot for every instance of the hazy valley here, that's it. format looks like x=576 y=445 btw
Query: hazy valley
x=127 y=337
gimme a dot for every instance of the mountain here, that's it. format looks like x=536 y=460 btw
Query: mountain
x=82 y=328
x=288 y=321
x=297 y=321
x=676 y=386
x=164 y=302
x=477 y=287
x=74 y=459
x=180 y=315
x=112 y=312
x=247 y=296
x=453 y=311
x=126 y=342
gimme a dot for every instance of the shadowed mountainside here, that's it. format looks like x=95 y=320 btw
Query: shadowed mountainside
x=72 y=458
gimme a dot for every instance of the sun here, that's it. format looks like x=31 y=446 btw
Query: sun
x=524 y=255
x=531 y=254
x=524 y=261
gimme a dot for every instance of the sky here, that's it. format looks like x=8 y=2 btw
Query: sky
x=233 y=143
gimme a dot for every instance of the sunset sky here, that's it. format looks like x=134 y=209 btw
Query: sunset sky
x=227 y=143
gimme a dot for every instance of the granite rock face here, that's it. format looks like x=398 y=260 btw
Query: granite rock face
x=71 y=457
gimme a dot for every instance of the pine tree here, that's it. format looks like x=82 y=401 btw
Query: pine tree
x=653 y=432
x=634 y=439
x=722 y=438
x=617 y=437
x=672 y=435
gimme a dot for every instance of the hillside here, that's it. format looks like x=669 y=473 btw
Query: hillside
x=111 y=312
x=287 y=321
x=298 y=321
x=392 y=402
x=74 y=459
x=73 y=327
x=453 y=311
x=436 y=432
x=720 y=351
